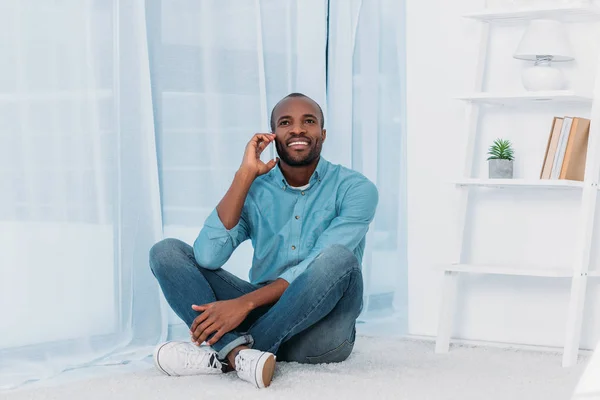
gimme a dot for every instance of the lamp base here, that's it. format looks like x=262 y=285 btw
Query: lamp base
x=542 y=76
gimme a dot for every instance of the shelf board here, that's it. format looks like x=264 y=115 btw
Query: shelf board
x=515 y=15
x=522 y=183
x=559 y=96
x=510 y=270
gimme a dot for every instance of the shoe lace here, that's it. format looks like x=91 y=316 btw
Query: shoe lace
x=243 y=364
x=201 y=359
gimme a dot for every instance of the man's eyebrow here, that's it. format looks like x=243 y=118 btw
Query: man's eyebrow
x=290 y=117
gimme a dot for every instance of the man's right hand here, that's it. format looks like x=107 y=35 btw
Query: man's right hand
x=252 y=162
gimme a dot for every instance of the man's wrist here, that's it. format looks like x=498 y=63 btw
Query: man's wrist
x=246 y=174
x=247 y=304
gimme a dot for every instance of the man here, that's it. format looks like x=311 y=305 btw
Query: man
x=307 y=220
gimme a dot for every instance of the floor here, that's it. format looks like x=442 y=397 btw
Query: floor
x=379 y=368
x=588 y=387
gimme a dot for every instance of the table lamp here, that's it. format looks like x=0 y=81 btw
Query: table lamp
x=544 y=42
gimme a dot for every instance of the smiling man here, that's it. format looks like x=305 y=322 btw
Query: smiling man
x=307 y=220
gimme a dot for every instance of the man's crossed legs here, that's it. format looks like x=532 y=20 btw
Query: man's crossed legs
x=313 y=321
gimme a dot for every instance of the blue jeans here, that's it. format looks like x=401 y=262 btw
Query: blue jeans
x=313 y=321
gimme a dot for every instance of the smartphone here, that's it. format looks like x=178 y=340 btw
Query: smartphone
x=272 y=151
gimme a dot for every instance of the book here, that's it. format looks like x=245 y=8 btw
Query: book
x=575 y=154
x=562 y=145
x=551 y=148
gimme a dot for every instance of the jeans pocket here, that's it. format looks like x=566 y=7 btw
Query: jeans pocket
x=338 y=354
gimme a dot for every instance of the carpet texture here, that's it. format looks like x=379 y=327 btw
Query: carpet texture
x=379 y=368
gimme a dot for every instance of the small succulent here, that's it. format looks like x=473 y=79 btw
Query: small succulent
x=501 y=150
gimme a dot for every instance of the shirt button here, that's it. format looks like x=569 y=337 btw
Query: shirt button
x=293 y=247
x=302 y=193
x=297 y=217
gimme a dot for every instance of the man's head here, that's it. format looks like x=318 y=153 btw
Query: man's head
x=297 y=122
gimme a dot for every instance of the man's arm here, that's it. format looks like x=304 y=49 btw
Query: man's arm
x=226 y=228
x=266 y=295
x=230 y=207
x=224 y=316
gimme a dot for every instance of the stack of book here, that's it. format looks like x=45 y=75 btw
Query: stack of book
x=566 y=149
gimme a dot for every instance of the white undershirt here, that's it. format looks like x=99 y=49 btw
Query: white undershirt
x=301 y=187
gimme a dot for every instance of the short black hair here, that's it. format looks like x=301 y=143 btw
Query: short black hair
x=296 y=94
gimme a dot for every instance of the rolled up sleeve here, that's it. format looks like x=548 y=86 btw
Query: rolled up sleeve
x=215 y=243
x=347 y=229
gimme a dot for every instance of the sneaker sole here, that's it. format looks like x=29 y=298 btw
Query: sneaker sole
x=266 y=368
x=155 y=358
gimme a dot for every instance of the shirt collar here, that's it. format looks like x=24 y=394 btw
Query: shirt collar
x=319 y=173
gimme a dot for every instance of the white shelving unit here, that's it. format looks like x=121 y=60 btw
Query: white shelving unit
x=564 y=13
x=515 y=270
x=558 y=184
x=518 y=99
x=578 y=272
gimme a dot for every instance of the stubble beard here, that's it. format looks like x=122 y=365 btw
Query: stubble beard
x=285 y=156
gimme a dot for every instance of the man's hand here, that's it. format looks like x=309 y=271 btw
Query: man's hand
x=220 y=317
x=251 y=161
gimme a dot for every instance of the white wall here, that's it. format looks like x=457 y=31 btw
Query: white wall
x=441 y=54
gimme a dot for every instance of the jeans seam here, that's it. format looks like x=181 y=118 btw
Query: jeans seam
x=312 y=308
x=230 y=283
x=336 y=348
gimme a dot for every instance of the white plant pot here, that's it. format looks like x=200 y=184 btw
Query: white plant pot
x=500 y=169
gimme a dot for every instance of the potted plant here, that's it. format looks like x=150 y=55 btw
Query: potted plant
x=500 y=160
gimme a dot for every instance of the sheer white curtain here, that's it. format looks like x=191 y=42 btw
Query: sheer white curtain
x=80 y=206
x=218 y=67
x=365 y=96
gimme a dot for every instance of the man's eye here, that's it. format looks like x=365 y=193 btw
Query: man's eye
x=284 y=122
x=310 y=121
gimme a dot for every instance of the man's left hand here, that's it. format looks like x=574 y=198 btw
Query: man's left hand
x=219 y=317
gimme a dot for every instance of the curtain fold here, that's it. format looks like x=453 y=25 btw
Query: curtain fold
x=365 y=97
x=78 y=166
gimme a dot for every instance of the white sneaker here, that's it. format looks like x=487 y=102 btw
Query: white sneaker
x=184 y=358
x=255 y=366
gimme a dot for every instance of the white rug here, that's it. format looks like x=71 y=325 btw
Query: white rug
x=378 y=369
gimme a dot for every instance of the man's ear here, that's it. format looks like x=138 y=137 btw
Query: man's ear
x=323 y=134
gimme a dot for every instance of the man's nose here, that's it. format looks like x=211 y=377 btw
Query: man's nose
x=297 y=129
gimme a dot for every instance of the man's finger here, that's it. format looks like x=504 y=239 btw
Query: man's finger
x=207 y=332
x=199 y=319
x=262 y=145
x=259 y=137
x=271 y=164
x=203 y=326
x=199 y=308
x=217 y=336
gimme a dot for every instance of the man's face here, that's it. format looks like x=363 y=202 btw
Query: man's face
x=298 y=133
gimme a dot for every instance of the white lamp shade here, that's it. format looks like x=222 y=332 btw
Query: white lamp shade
x=544 y=38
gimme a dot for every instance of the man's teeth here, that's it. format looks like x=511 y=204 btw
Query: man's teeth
x=298 y=143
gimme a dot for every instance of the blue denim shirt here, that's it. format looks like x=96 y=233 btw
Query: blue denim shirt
x=289 y=227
